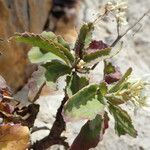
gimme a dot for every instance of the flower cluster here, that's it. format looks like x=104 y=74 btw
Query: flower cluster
x=134 y=93
x=81 y=64
x=118 y=9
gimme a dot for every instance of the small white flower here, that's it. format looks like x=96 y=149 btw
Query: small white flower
x=120 y=14
x=122 y=21
x=110 y=6
x=119 y=11
x=121 y=5
x=81 y=64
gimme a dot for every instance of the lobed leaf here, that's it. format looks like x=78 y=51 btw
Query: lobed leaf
x=36 y=56
x=55 y=69
x=111 y=73
x=75 y=83
x=103 y=88
x=108 y=67
x=96 y=55
x=46 y=44
x=96 y=45
x=117 y=86
x=102 y=92
x=123 y=122
x=115 y=100
x=63 y=42
x=84 y=39
x=50 y=35
x=91 y=133
x=84 y=104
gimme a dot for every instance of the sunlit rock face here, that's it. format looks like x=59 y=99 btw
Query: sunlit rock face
x=33 y=16
x=19 y=16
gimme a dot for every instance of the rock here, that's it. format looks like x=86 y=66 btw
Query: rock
x=19 y=16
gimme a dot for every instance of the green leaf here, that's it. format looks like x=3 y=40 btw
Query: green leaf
x=97 y=55
x=36 y=56
x=103 y=88
x=115 y=100
x=75 y=83
x=91 y=133
x=84 y=104
x=109 y=67
x=63 y=42
x=59 y=39
x=84 y=39
x=46 y=44
x=102 y=92
x=49 y=35
x=55 y=69
x=117 y=86
x=112 y=73
x=123 y=122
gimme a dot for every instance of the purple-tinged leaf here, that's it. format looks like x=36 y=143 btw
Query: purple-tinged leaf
x=117 y=86
x=113 y=77
x=96 y=50
x=91 y=133
x=84 y=38
x=96 y=45
x=95 y=54
x=111 y=73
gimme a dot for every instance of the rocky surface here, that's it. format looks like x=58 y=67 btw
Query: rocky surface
x=19 y=16
x=135 y=53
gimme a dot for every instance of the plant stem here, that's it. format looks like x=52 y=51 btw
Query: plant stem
x=119 y=37
x=34 y=129
x=131 y=27
x=54 y=136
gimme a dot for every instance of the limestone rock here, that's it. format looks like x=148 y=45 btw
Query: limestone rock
x=19 y=16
